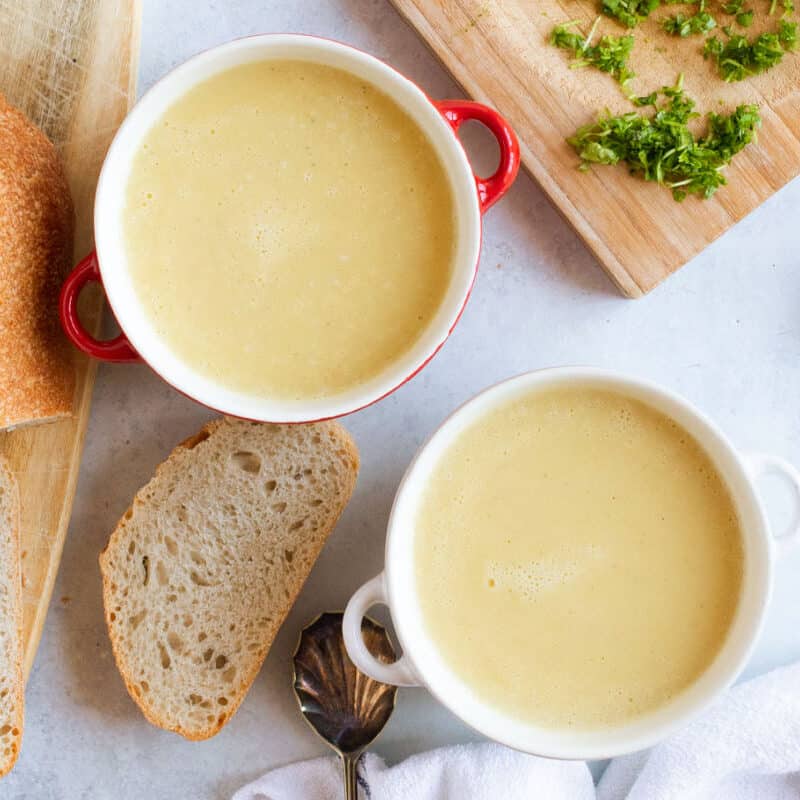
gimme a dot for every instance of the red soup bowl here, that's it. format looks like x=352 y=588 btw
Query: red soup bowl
x=139 y=341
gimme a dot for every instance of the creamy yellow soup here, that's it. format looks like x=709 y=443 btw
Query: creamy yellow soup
x=289 y=229
x=578 y=559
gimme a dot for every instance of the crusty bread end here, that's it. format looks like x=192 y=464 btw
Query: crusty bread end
x=37 y=367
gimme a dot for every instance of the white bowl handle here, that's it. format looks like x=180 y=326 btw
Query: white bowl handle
x=398 y=673
x=761 y=464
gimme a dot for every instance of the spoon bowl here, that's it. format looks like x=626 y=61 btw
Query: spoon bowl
x=346 y=708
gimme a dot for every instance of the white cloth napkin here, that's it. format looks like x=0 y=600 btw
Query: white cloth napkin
x=746 y=747
x=463 y=772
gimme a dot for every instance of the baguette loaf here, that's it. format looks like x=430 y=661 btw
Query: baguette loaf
x=11 y=681
x=203 y=568
x=37 y=369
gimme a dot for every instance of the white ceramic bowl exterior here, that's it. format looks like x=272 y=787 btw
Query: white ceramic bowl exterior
x=421 y=662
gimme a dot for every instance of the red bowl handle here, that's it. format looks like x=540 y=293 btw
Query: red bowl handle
x=118 y=349
x=491 y=189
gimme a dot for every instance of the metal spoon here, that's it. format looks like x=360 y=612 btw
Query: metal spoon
x=344 y=706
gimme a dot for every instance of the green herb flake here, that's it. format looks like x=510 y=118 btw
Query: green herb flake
x=629 y=12
x=683 y=25
x=610 y=54
x=745 y=18
x=565 y=37
x=645 y=100
x=660 y=147
x=787 y=34
x=733 y=7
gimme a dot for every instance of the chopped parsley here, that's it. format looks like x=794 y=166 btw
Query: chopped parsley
x=744 y=16
x=738 y=58
x=659 y=141
x=660 y=147
x=610 y=54
x=629 y=12
x=788 y=6
x=787 y=34
x=686 y=25
x=733 y=7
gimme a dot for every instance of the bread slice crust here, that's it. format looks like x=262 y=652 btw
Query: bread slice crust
x=304 y=472
x=12 y=687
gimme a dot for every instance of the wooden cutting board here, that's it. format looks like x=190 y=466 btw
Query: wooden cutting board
x=499 y=53
x=71 y=66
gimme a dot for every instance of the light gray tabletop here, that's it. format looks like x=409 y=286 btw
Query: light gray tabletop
x=724 y=331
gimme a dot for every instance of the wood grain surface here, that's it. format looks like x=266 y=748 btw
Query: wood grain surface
x=71 y=66
x=499 y=53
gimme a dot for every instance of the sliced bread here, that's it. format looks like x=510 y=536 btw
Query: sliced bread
x=203 y=568
x=11 y=681
x=37 y=372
